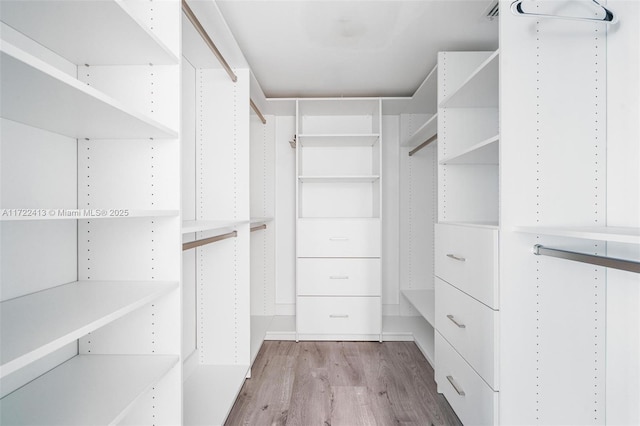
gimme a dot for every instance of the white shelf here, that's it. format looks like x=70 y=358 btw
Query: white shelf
x=259 y=327
x=87 y=32
x=37 y=324
x=601 y=233
x=427 y=130
x=39 y=95
x=338 y=179
x=209 y=393
x=260 y=220
x=338 y=140
x=86 y=390
x=424 y=302
x=485 y=152
x=480 y=89
x=12 y=215
x=338 y=106
x=218 y=227
x=483 y=225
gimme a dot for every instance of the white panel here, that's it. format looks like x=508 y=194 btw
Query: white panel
x=391 y=210
x=188 y=141
x=468 y=194
x=152 y=90
x=162 y=18
x=461 y=128
x=337 y=199
x=128 y=174
x=189 y=302
x=129 y=249
x=49 y=245
x=336 y=161
x=38 y=168
x=285 y=217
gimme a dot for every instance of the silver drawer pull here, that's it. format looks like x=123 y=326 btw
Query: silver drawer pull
x=339 y=277
x=453 y=256
x=338 y=316
x=455 y=386
x=453 y=320
x=338 y=239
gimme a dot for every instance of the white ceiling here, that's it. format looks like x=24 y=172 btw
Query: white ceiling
x=309 y=48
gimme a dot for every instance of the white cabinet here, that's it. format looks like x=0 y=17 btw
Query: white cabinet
x=339 y=217
x=90 y=164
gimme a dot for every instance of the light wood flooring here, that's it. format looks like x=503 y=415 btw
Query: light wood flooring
x=341 y=384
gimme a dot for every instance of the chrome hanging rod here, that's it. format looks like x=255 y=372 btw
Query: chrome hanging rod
x=423 y=144
x=204 y=241
x=259 y=227
x=203 y=33
x=609 y=16
x=609 y=262
x=255 y=108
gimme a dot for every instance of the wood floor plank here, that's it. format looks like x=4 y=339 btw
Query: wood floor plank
x=341 y=384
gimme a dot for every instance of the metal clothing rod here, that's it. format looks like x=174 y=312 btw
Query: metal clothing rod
x=609 y=262
x=203 y=33
x=259 y=227
x=204 y=241
x=255 y=108
x=423 y=144
x=609 y=17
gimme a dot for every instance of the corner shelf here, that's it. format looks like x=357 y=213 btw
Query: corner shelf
x=424 y=302
x=37 y=324
x=480 y=89
x=92 y=39
x=427 y=130
x=602 y=233
x=39 y=95
x=485 y=152
x=86 y=390
x=336 y=140
x=338 y=179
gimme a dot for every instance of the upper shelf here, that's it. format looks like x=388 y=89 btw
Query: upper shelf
x=338 y=140
x=39 y=95
x=87 y=32
x=424 y=132
x=485 y=152
x=338 y=179
x=480 y=89
x=601 y=233
x=86 y=390
x=38 y=324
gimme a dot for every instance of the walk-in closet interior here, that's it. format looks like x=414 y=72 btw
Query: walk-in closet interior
x=183 y=180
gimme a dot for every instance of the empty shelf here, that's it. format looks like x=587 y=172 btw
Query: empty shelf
x=37 y=324
x=86 y=390
x=39 y=95
x=601 y=233
x=338 y=140
x=426 y=131
x=84 y=32
x=338 y=179
x=480 y=89
x=216 y=227
x=485 y=152
x=210 y=391
x=424 y=302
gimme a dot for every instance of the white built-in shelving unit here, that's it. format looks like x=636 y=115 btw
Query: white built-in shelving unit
x=96 y=323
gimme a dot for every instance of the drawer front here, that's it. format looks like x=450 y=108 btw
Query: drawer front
x=338 y=238
x=470 y=397
x=467 y=258
x=470 y=327
x=338 y=315
x=338 y=277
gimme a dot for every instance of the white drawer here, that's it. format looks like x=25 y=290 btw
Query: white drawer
x=467 y=258
x=338 y=238
x=470 y=397
x=338 y=277
x=470 y=327
x=338 y=315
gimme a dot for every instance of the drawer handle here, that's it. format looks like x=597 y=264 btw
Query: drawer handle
x=338 y=316
x=454 y=257
x=339 y=277
x=338 y=239
x=455 y=386
x=453 y=320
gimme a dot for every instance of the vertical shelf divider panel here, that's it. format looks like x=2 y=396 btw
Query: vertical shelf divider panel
x=338 y=185
x=114 y=123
